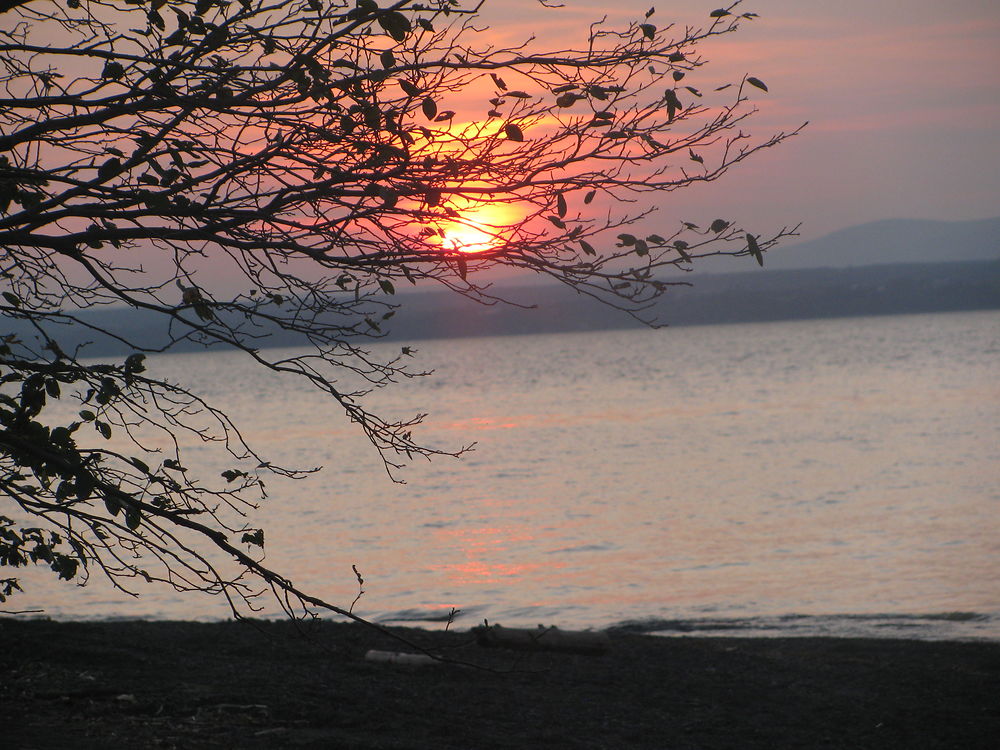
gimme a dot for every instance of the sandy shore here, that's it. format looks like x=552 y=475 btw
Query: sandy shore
x=246 y=685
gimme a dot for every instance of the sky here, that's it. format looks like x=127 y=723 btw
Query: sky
x=902 y=97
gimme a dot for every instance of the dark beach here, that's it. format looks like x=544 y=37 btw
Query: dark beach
x=252 y=685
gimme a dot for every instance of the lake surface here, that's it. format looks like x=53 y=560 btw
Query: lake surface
x=834 y=477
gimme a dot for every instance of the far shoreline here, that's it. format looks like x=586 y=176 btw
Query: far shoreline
x=955 y=626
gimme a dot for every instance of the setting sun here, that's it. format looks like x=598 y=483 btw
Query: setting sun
x=478 y=228
x=469 y=236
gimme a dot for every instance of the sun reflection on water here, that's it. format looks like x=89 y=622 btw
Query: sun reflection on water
x=482 y=549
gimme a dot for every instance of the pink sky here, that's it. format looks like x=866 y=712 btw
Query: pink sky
x=903 y=99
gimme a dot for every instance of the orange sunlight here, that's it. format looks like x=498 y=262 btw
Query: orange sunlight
x=469 y=220
x=478 y=227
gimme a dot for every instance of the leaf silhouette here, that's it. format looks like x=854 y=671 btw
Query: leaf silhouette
x=754 y=249
x=429 y=106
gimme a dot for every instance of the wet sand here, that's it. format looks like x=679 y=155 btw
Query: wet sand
x=257 y=685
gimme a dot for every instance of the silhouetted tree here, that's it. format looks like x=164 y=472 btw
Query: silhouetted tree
x=314 y=155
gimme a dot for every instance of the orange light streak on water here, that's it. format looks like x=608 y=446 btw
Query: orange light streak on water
x=481 y=548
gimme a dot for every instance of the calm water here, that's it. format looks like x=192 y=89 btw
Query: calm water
x=813 y=477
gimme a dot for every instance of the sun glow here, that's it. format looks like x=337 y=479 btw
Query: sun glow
x=478 y=228
x=468 y=235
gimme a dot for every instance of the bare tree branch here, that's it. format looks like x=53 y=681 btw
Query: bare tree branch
x=316 y=154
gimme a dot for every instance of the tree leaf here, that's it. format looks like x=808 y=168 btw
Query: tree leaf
x=561 y=206
x=719 y=13
x=627 y=240
x=648 y=30
x=395 y=24
x=255 y=537
x=754 y=249
x=113 y=70
x=111 y=503
x=757 y=82
x=429 y=106
x=589 y=197
x=673 y=103
x=132 y=518
x=567 y=100
x=598 y=92
x=719 y=225
x=65 y=566
x=231 y=475
x=203 y=310
x=513 y=132
x=409 y=87
x=111 y=168
x=587 y=247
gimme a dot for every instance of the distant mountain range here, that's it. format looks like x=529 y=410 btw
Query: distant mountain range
x=850 y=285
x=886 y=242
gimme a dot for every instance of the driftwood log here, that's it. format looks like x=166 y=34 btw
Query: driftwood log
x=397 y=657
x=542 y=639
